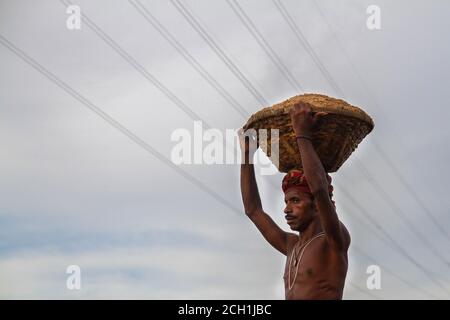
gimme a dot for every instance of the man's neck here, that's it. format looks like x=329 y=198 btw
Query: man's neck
x=313 y=229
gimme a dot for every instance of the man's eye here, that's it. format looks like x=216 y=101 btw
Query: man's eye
x=295 y=200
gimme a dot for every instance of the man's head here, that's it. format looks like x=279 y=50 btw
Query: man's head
x=300 y=205
x=299 y=210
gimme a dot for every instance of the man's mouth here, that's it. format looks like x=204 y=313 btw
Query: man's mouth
x=289 y=218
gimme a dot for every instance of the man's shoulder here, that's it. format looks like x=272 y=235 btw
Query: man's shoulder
x=292 y=239
x=345 y=235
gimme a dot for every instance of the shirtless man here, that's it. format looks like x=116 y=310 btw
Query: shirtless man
x=316 y=257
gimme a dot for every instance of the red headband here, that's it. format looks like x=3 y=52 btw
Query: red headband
x=296 y=179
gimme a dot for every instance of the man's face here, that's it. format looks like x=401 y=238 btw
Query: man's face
x=299 y=209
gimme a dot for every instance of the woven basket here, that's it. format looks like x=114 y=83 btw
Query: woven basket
x=336 y=136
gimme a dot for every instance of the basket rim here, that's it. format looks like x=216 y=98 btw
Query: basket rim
x=340 y=107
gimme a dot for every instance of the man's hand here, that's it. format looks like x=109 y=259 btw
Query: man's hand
x=249 y=145
x=303 y=120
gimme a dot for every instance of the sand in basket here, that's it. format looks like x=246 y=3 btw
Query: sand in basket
x=335 y=137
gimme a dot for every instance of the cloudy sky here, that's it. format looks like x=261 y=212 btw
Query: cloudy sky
x=77 y=190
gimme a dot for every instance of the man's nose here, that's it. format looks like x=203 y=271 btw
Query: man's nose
x=287 y=209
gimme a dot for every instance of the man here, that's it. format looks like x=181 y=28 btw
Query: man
x=316 y=263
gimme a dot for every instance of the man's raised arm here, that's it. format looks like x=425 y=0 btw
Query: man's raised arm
x=303 y=122
x=252 y=201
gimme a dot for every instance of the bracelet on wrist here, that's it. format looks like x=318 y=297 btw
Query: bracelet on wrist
x=303 y=137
